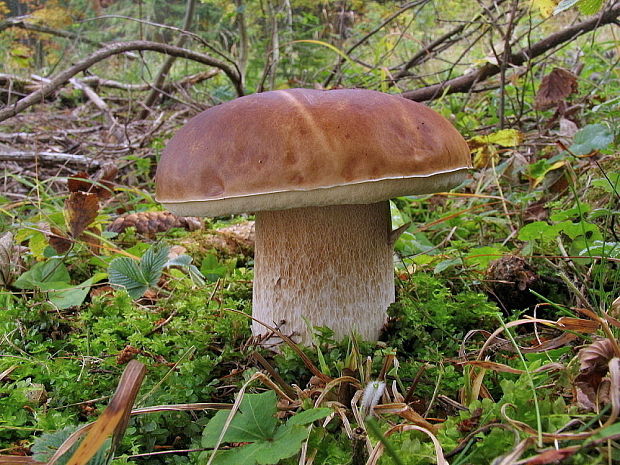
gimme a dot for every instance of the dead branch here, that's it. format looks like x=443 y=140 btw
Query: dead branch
x=167 y=66
x=97 y=101
x=21 y=22
x=50 y=158
x=31 y=83
x=387 y=21
x=467 y=81
x=115 y=49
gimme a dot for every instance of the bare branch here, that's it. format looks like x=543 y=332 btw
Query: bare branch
x=22 y=23
x=387 y=21
x=467 y=81
x=167 y=66
x=50 y=158
x=115 y=49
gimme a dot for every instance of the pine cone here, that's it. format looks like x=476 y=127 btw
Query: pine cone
x=149 y=223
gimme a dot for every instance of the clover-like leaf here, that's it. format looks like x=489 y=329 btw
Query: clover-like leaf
x=255 y=423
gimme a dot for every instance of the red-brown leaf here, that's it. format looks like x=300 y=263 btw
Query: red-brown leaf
x=82 y=209
x=555 y=88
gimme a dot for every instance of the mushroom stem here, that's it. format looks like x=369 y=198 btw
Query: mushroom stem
x=330 y=265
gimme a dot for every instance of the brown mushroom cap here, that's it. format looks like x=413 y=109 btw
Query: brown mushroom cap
x=302 y=147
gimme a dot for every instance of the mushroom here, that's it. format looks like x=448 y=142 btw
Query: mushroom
x=318 y=168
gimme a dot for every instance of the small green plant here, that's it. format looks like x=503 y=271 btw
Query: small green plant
x=269 y=440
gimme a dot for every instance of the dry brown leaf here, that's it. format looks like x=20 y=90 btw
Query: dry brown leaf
x=555 y=88
x=590 y=384
x=101 y=186
x=58 y=240
x=578 y=325
x=114 y=419
x=81 y=210
x=596 y=356
x=10 y=259
x=553 y=456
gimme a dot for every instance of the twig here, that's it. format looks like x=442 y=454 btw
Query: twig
x=50 y=158
x=467 y=81
x=388 y=20
x=115 y=49
x=167 y=66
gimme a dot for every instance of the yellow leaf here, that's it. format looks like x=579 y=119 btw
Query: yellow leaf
x=545 y=7
x=503 y=138
x=485 y=155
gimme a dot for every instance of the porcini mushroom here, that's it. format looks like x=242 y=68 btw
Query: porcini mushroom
x=318 y=168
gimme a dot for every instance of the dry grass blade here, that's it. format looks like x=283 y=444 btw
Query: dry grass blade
x=512 y=457
x=113 y=420
x=332 y=384
x=614 y=395
x=500 y=367
x=232 y=413
x=7 y=372
x=578 y=325
x=378 y=450
x=498 y=331
x=181 y=408
x=406 y=412
x=311 y=366
x=18 y=460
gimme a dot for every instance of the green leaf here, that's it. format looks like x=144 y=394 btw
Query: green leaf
x=64 y=295
x=445 y=264
x=285 y=443
x=589 y=7
x=185 y=262
x=308 y=416
x=136 y=277
x=602 y=249
x=607 y=432
x=50 y=271
x=570 y=213
x=482 y=256
x=535 y=230
x=124 y=273
x=256 y=421
x=211 y=268
x=565 y=5
x=592 y=137
x=610 y=184
x=152 y=263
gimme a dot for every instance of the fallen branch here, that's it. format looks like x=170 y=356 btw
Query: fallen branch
x=467 y=81
x=115 y=49
x=50 y=158
x=96 y=81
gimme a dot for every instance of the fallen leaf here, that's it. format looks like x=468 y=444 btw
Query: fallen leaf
x=555 y=88
x=591 y=383
x=81 y=209
x=552 y=456
x=58 y=240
